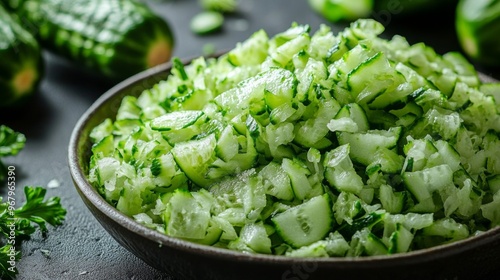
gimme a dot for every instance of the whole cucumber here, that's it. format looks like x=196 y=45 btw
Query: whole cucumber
x=21 y=66
x=380 y=10
x=477 y=25
x=113 y=38
x=411 y=7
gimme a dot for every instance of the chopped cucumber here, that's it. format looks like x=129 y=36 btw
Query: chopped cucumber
x=310 y=145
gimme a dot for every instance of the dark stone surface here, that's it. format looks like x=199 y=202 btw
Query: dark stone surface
x=81 y=248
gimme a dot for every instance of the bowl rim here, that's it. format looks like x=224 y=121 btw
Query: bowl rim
x=88 y=192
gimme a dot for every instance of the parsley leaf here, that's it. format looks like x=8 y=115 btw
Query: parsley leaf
x=21 y=223
x=11 y=142
x=39 y=211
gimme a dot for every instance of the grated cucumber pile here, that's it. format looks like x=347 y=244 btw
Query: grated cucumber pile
x=309 y=144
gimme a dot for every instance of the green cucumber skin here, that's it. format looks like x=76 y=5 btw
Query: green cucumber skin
x=477 y=26
x=18 y=51
x=109 y=37
x=411 y=7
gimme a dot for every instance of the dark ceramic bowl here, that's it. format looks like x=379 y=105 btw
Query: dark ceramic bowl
x=474 y=258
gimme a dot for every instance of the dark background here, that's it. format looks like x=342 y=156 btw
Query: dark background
x=80 y=248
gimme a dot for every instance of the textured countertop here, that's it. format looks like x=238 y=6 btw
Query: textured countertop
x=81 y=248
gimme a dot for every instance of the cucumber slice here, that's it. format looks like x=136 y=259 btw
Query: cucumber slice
x=306 y=223
x=207 y=22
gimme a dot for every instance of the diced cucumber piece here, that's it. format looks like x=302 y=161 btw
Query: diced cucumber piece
x=312 y=131
x=370 y=78
x=255 y=236
x=104 y=147
x=278 y=181
x=392 y=95
x=342 y=124
x=408 y=114
x=400 y=240
x=366 y=222
x=424 y=182
x=285 y=52
x=278 y=135
x=448 y=229
x=176 y=120
x=494 y=183
x=491 y=210
x=102 y=130
x=238 y=163
x=347 y=207
x=464 y=202
x=374 y=246
x=340 y=172
x=128 y=109
x=281 y=113
x=364 y=147
x=278 y=83
x=492 y=89
x=391 y=201
x=355 y=112
x=228 y=231
x=418 y=153
x=252 y=51
x=298 y=172
x=227 y=144
x=194 y=158
x=212 y=236
x=166 y=173
x=186 y=217
x=492 y=149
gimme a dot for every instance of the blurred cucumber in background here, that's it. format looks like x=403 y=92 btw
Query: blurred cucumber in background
x=350 y=10
x=21 y=62
x=475 y=23
x=112 y=38
x=478 y=30
x=342 y=10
